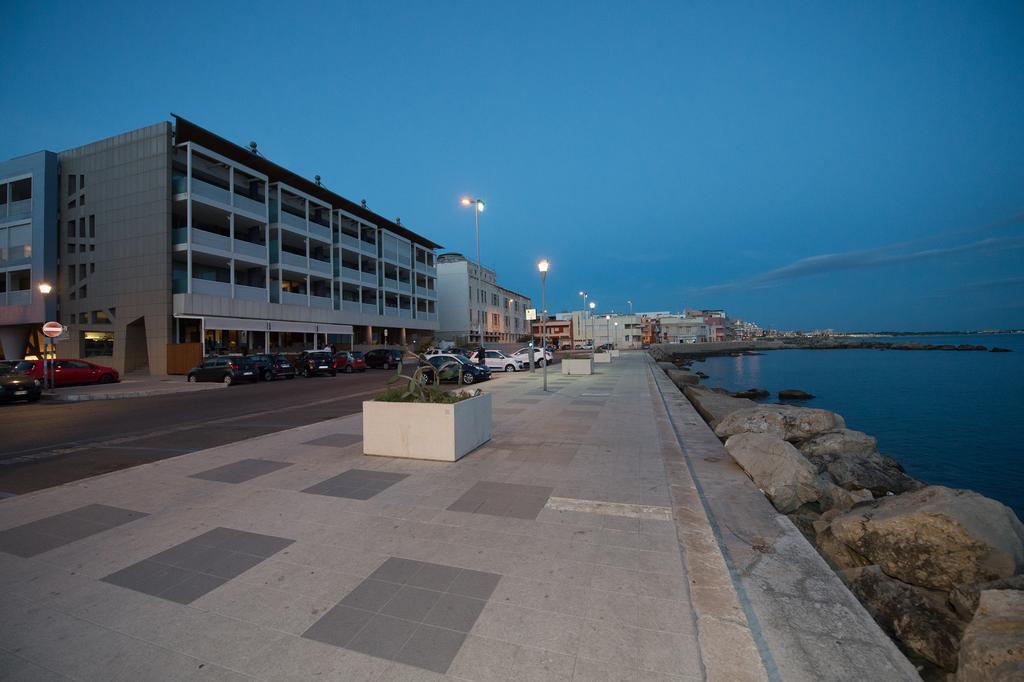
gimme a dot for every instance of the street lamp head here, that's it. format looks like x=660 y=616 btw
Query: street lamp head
x=45 y=288
x=480 y=205
x=607 y=317
x=542 y=265
x=466 y=201
x=583 y=293
x=592 y=305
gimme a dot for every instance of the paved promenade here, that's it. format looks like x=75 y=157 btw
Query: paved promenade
x=584 y=542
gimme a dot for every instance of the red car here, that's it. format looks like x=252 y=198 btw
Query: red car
x=69 y=371
x=350 y=361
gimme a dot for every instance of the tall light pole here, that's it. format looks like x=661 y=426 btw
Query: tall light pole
x=592 y=334
x=45 y=288
x=542 y=266
x=608 y=327
x=583 y=315
x=616 y=341
x=478 y=207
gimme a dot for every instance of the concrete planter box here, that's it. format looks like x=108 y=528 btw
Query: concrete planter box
x=444 y=433
x=602 y=357
x=614 y=352
x=571 y=366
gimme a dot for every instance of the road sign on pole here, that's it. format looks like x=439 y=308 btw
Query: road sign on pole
x=53 y=329
x=531 y=313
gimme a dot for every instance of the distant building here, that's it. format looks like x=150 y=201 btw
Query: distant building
x=558 y=332
x=683 y=329
x=464 y=301
x=625 y=331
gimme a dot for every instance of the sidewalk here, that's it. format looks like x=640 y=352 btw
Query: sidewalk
x=129 y=387
x=576 y=545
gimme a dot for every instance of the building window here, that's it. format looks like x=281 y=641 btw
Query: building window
x=81 y=226
x=81 y=200
x=81 y=271
x=494 y=299
x=92 y=226
x=97 y=344
x=494 y=319
x=21 y=190
x=71 y=228
x=100 y=317
x=81 y=181
x=72 y=184
x=71 y=248
x=92 y=268
x=71 y=274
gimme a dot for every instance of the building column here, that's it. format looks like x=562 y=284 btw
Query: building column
x=402 y=336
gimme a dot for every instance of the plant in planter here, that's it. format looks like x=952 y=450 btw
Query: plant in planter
x=420 y=420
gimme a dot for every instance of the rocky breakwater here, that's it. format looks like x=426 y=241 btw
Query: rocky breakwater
x=941 y=570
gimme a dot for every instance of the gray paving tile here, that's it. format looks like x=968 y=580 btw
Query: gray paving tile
x=397 y=570
x=503 y=499
x=108 y=516
x=411 y=603
x=241 y=471
x=26 y=542
x=382 y=637
x=358 y=484
x=371 y=595
x=478 y=584
x=455 y=612
x=255 y=543
x=42 y=535
x=233 y=564
x=431 y=648
x=192 y=588
x=336 y=440
x=338 y=626
x=434 y=577
x=149 y=577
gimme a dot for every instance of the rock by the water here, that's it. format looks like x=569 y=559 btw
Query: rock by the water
x=666 y=366
x=839 y=442
x=681 y=378
x=936 y=537
x=992 y=648
x=714 y=404
x=838 y=555
x=914 y=616
x=788 y=422
x=864 y=470
x=752 y=393
x=794 y=394
x=964 y=598
x=996 y=349
x=777 y=468
x=702 y=375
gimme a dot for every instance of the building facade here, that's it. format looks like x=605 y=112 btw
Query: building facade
x=624 y=331
x=682 y=329
x=172 y=235
x=466 y=301
x=558 y=333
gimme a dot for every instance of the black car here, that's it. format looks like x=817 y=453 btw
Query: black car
x=18 y=386
x=228 y=370
x=310 y=363
x=383 y=358
x=270 y=367
x=471 y=372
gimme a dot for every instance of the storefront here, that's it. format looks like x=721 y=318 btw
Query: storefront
x=227 y=335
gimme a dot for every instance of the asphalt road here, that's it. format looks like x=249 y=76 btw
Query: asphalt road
x=50 y=443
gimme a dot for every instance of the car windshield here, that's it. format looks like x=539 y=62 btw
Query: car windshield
x=23 y=366
x=357 y=355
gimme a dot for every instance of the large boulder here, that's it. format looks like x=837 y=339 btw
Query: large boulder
x=794 y=394
x=788 y=422
x=838 y=555
x=964 y=598
x=777 y=468
x=666 y=366
x=839 y=442
x=936 y=537
x=714 y=404
x=915 y=616
x=682 y=378
x=863 y=470
x=992 y=648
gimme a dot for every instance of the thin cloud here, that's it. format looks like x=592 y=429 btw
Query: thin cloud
x=979 y=287
x=856 y=260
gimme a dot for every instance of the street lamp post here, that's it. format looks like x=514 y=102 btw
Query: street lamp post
x=616 y=341
x=608 y=327
x=592 y=332
x=45 y=288
x=542 y=266
x=583 y=315
x=478 y=207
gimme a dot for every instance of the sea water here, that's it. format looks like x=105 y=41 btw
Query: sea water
x=953 y=418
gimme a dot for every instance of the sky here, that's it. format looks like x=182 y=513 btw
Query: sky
x=857 y=166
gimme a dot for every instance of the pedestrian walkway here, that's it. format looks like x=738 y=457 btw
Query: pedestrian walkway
x=131 y=386
x=575 y=545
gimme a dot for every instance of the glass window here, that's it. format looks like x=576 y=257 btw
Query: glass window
x=21 y=190
x=71 y=228
x=92 y=227
x=72 y=184
x=3 y=194
x=97 y=344
x=71 y=274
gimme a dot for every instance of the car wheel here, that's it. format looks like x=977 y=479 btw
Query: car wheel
x=192 y=378
x=228 y=380
x=268 y=376
x=510 y=368
x=541 y=362
x=467 y=378
x=425 y=379
x=348 y=369
x=106 y=379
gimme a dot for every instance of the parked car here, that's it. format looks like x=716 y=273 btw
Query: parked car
x=67 y=372
x=311 y=363
x=471 y=372
x=385 y=358
x=584 y=346
x=270 y=367
x=349 y=361
x=539 y=358
x=497 y=360
x=224 y=369
x=605 y=346
x=17 y=386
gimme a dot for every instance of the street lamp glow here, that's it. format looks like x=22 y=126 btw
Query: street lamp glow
x=45 y=288
x=542 y=265
x=466 y=201
x=480 y=205
x=592 y=305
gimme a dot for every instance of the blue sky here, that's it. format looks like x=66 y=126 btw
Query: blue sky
x=848 y=165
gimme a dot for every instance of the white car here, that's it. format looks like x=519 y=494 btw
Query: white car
x=523 y=355
x=498 y=361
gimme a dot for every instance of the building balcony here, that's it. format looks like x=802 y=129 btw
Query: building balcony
x=206 y=190
x=368 y=278
x=294 y=299
x=390 y=312
x=211 y=287
x=350 y=241
x=391 y=283
x=250 y=250
x=247 y=293
x=22 y=297
x=423 y=315
x=16 y=210
x=405 y=312
x=257 y=208
x=426 y=269
x=429 y=294
x=294 y=260
x=351 y=274
x=368 y=248
x=320 y=302
x=293 y=221
x=405 y=287
x=320 y=266
x=320 y=232
x=370 y=308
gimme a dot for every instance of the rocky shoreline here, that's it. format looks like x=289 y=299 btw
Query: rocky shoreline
x=694 y=351
x=941 y=570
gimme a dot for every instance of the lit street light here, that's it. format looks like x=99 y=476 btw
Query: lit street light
x=583 y=315
x=478 y=208
x=592 y=332
x=45 y=288
x=542 y=266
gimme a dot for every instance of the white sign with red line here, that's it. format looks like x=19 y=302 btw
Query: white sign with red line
x=53 y=329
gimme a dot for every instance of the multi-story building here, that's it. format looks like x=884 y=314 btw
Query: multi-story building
x=625 y=331
x=682 y=329
x=466 y=300
x=171 y=235
x=558 y=333
x=715 y=320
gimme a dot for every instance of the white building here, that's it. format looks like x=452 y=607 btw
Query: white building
x=624 y=331
x=464 y=301
x=679 y=329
